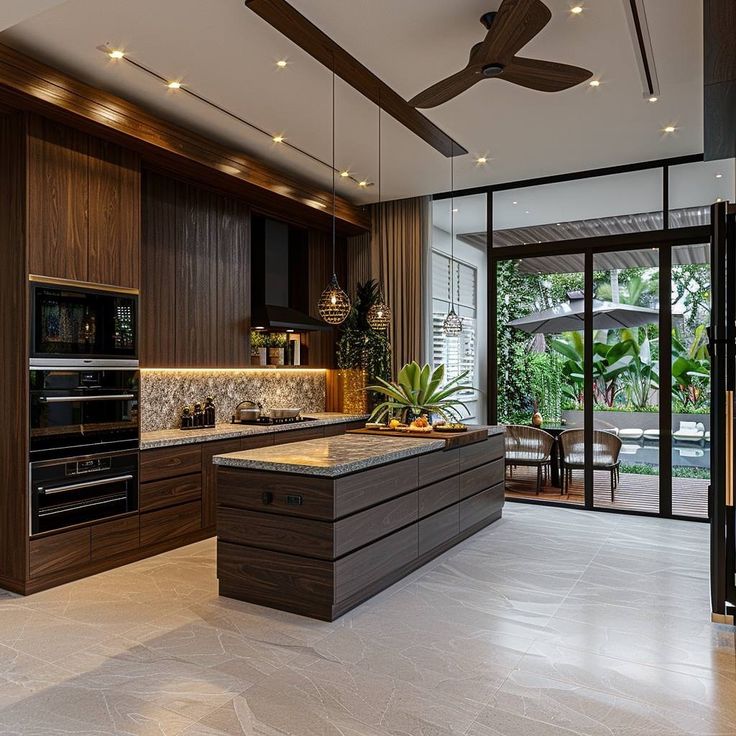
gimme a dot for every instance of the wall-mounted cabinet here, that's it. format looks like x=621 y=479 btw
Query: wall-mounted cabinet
x=84 y=205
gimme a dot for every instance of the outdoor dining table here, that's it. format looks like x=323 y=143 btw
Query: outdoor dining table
x=555 y=430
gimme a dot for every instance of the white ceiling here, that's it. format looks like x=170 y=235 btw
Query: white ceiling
x=226 y=53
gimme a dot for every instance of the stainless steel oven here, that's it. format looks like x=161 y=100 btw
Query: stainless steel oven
x=77 y=411
x=74 y=322
x=81 y=489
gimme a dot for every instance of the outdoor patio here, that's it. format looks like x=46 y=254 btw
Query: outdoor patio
x=634 y=493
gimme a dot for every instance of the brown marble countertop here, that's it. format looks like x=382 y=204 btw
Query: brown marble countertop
x=330 y=457
x=171 y=437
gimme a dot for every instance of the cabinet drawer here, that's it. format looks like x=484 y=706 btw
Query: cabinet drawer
x=158 y=526
x=209 y=476
x=163 y=493
x=115 y=537
x=479 y=508
x=169 y=462
x=438 y=529
x=438 y=496
x=438 y=466
x=479 y=453
x=255 y=441
x=298 y=435
x=480 y=478
x=59 y=551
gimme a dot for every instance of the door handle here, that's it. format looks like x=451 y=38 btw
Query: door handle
x=729 y=448
x=79 y=506
x=85 y=484
x=73 y=399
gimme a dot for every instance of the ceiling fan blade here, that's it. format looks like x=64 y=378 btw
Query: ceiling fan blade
x=447 y=89
x=515 y=24
x=545 y=76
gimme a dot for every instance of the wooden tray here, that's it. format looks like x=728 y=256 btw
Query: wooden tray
x=452 y=439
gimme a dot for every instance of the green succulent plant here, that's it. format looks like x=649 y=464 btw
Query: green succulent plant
x=421 y=390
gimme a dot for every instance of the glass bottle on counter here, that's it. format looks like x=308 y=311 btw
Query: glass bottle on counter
x=186 y=418
x=209 y=412
x=198 y=416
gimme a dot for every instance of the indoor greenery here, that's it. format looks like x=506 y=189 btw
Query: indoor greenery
x=360 y=346
x=420 y=390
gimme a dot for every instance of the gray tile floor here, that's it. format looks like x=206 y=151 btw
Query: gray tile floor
x=551 y=622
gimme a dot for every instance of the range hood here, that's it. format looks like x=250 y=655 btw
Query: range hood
x=279 y=277
x=277 y=318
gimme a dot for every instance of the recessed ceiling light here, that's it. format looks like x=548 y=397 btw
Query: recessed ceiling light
x=653 y=99
x=576 y=9
x=278 y=139
x=174 y=85
x=595 y=83
x=481 y=160
x=719 y=199
x=526 y=212
x=363 y=183
x=719 y=176
x=345 y=174
x=670 y=129
x=281 y=63
x=456 y=209
x=116 y=54
x=514 y=203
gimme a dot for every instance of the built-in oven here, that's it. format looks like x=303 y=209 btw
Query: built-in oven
x=77 y=411
x=74 y=322
x=81 y=489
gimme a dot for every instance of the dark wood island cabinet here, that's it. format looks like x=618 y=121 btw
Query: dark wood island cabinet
x=317 y=527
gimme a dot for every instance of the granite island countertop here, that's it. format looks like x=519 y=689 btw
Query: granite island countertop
x=330 y=457
x=173 y=437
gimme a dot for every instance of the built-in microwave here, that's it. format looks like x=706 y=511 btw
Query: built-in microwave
x=79 y=322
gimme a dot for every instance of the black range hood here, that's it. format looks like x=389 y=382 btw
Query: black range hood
x=280 y=277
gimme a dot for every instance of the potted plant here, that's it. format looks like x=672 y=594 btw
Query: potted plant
x=420 y=390
x=276 y=348
x=258 y=347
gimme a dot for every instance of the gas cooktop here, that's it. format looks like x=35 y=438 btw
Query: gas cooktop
x=274 y=421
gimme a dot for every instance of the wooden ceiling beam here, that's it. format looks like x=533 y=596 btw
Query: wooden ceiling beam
x=292 y=24
x=31 y=85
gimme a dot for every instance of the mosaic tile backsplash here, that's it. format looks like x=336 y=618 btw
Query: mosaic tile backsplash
x=165 y=393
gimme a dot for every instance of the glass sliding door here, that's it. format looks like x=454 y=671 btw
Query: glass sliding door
x=626 y=383
x=540 y=347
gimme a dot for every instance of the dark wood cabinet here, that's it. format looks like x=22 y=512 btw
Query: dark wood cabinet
x=59 y=552
x=83 y=206
x=209 y=477
x=115 y=537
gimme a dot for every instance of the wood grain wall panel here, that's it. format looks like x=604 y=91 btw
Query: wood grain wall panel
x=57 y=199
x=13 y=353
x=114 y=215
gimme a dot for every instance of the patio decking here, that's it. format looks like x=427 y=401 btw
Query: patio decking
x=634 y=492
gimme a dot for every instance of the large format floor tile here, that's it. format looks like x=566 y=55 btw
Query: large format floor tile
x=552 y=622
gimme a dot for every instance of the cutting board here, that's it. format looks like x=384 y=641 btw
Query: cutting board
x=452 y=439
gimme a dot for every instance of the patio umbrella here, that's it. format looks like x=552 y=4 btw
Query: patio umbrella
x=569 y=317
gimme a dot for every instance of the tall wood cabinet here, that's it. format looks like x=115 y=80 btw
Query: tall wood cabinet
x=84 y=200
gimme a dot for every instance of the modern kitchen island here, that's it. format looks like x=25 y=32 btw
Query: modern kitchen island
x=317 y=527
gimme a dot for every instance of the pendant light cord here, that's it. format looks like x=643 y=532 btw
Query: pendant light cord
x=334 y=198
x=452 y=233
x=380 y=211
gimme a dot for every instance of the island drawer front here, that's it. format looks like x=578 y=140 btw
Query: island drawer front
x=307 y=537
x=481 y=507
x=176 y=521
x=276 y=579
x=438 y=496
x=369 y=525
x=436 y=530
x=360 y=490
x=369 y=565
x=480 y=453
x=480 y=478
x=263 y=491
x=438 y=466
x=115 y=537
x=168 y=462
x=298 y=435
x=162 y=493
x=59 y=552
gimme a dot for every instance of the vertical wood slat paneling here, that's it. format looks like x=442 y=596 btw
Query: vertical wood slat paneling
x=13 y=353
x=114 y=215
x=58 y=197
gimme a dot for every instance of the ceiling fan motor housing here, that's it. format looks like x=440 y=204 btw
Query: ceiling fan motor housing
x=492 y=70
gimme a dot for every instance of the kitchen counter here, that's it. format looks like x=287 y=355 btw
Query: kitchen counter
x=330 y=457
x=317 y=527
x=173 y=437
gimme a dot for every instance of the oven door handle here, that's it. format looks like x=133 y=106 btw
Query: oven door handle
x=86 y=484
x=71 y=399
x=76 y=507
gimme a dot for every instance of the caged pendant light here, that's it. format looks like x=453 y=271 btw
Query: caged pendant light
x=379 y=314
x=334 y=304
x=453 y=324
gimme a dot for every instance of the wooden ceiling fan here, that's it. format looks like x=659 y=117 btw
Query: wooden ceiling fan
x=515 y=24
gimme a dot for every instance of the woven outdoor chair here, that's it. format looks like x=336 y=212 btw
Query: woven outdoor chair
x=606 y=451
x=528 y=446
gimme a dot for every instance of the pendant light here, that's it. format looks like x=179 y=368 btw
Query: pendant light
x=379 y=314
x=334 y=304
x=453 y=325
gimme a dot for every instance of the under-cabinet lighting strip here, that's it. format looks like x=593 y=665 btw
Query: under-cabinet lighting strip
x=278 y=138
x=246 y=369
